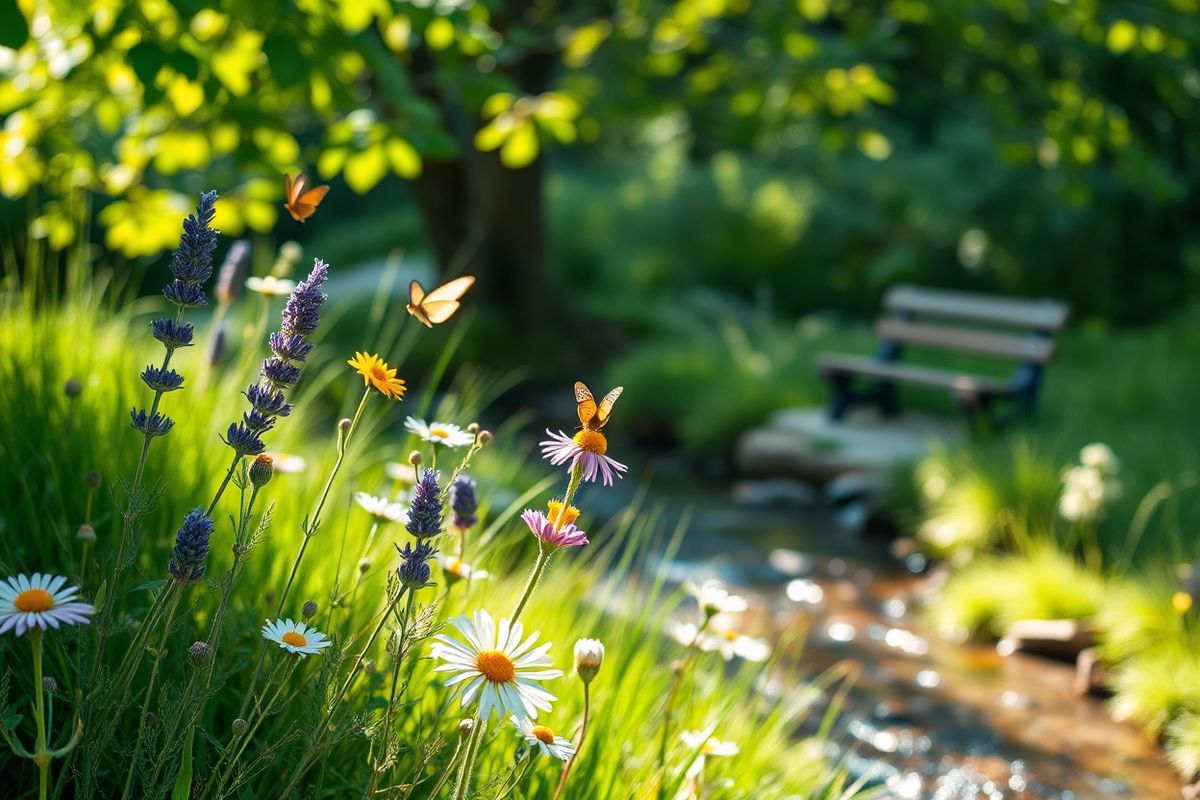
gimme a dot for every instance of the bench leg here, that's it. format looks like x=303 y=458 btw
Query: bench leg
x=889 y=399
x=839 y=402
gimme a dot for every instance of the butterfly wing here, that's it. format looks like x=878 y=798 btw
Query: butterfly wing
x=451 y=290
x=415 y=297
x=606 y=406
x=439 y=310
x=585 y=404
x=313 y=196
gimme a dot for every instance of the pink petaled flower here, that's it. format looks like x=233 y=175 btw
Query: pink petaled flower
x=587 y=448
x=543 y=528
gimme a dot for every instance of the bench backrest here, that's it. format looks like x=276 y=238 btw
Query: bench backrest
x=935 y=318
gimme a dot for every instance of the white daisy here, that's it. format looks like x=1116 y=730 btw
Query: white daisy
x=714 y=598
x=295 y=637
x=288 y=463
x=730 y=644
x=401 y=473
x=458 y=570
x=703 y=743
x=501 y=670
x=40 y=601
x=271 y=286
x=543 y=739
x=443 y=433
x=381 y=508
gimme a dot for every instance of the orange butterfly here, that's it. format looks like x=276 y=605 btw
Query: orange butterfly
x=592 y=416
x=301 y=204
x=440 y=304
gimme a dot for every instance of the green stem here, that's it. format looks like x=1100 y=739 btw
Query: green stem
x=670 y=705
x=566 y=770
x=237 y=457
x=462 y=784
x=539 y=567
x=387 y=717
x=158 y=657
x=288 y=666
x=41 y=753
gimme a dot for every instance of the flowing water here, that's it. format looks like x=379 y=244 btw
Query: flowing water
x=926 y=718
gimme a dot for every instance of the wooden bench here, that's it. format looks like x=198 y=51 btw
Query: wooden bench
x=1009 y=328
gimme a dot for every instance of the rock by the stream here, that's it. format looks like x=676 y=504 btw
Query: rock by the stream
x=774 y=493
x=1090 y=676
x=1056 y=638
x=804 y=443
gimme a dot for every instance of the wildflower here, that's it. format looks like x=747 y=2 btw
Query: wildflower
x=270 y=286
x=732 y=644
x=414 y=564
x=1086 y=492
x=49 y=684
x=364 y=565
x=151 y=424
x=243 y=440
x=232 y=269
x=458 y=570
x=500 y=670
x=93 y=478
x=192 y=262
x=239 y=726
x=376 y=372
x=261 y=471
x=302 y=312
x=586 y=448
x=705 y=746
x=295 y=637
x=443 y=433
x=463 y=503
x=309 y=609
x=589 y=655
x=281 y=374
x=560 y=516
x=290 y=348
x=288 y=463
x=73 y=388
x=162 y=380
x=401 y=473
x=267 y=401
x=40 y=601
x=1100 y=456
x=713 y=598
x=86 y=533
x=541 y=527
x=425 y=513
x=200 y=654
x=172 y=334
x=543 y=739
x=191 y=547
x=382 y=509
x=465 y=726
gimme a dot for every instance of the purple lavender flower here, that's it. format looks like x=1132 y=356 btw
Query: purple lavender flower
x=191 y=547
x=229 y=279
x=414 y=564
x=281 y=370
x=172 y=334
x=192 y=262
x=151 y=424
x=463 y=502
x=185 y=295
x=162 y=380
x=425 y=513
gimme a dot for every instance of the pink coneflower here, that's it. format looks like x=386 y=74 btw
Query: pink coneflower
x=543 y=528
x=587 y=448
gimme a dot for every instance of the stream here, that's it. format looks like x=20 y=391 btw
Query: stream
x=926 y=718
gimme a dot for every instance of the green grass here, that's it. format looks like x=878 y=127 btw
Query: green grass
x=48 y=442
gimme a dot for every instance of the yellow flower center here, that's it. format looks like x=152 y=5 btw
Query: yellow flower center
x=554 y=508
x=34 y=600
x=730 y=636
x=294 y=639
x=496 y=666
x=1181 y=602
x=439 y=433
x=543 y=734
x=591 y=441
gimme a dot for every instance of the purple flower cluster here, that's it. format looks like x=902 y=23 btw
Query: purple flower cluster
x=191 y=547
x=281 y=370
x=414 y=564
x=191 y=266
x=425 y=513
x=463 y=502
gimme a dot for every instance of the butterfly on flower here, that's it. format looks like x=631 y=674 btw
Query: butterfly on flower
x=441 y=303
x=593 y=417
x=300 y=202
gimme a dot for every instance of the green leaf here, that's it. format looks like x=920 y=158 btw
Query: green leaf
x=405 y=160
x=14 y=30
x=12 y=719
x=520 y=149
x=148 y=585
x=364 y=170
x=183 y=781
x=287 y=64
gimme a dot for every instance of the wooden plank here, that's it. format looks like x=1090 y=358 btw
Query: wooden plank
x=1041 y=315
x=957 y=382
x=967 y=340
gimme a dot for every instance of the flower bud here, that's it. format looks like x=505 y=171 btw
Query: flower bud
x=414 y=458
x=73 y=388
x=309 y=609
x=86 y=533
x=261 y=471
x=200 y=654
x=364 y=565
x=93 y=478
x=149 y=719
x=465 y=727
x=344 y=424
x=49 y=684
x=473 y=427
x=589 y=655
x=484 y=437
x=369 y=666
x=239 y=726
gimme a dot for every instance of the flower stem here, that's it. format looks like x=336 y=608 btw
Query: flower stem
x=41 y=753
x=539 y=567
x=158 y=657
x=462 y=784
x=572 y=488
x=680 y=672
x=566 y=770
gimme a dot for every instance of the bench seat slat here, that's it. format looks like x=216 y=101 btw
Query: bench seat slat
x=967 y=340
x=1042 y=315
x=957 y=382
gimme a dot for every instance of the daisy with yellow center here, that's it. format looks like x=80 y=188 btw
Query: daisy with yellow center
x=458 y=570
x=270 y=286
x=295 y=637
x=587 y=448
x=40 y=601
x=544 y=739
x=376 y=372
x=445 y=434
x=705 y=746
x=495 y=667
